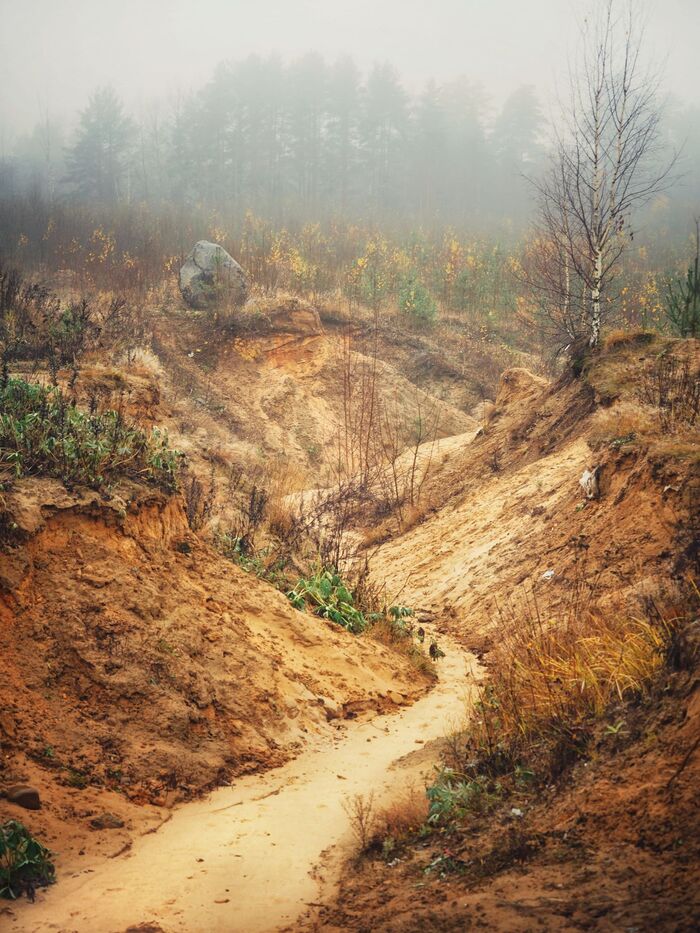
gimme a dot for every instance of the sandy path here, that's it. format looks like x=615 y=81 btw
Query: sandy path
x=244 y=858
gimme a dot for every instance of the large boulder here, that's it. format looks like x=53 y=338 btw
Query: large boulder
x=210 y=277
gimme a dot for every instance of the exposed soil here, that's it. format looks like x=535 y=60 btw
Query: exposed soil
x=242 y=858
x=146 y=661
x=509 y=516
x=140 y=668
x=614 y=844
x=275 y=389
x=615 y=847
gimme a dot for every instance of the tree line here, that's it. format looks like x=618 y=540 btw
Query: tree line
x=303 y=141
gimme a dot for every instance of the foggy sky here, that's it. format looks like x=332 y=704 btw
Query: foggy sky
x=54 y=53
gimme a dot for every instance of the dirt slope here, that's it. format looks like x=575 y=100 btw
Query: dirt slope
x=274 y=389
x=617 y=847
x=137 y=659
x=612 y=845
x=508 y=508
x=247 y=857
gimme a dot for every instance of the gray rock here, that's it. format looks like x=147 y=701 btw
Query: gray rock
x=210 y=277
x=106 y=821
x=24 y=796
x=590 y=482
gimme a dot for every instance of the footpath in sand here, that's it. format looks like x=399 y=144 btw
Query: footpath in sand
x=248 y=857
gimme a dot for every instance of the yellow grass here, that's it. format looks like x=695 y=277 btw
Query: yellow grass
x=552 y=676
x=282 y=479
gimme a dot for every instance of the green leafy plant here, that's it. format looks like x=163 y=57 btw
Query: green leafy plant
x=262 y=562
x=25 y=863
x=445 y=864
x=398 y=618
x=42 y=432
x=416 y=300
x=327 y=596
x=682 y=302
x=452 y=796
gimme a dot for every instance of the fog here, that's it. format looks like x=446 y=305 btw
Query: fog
x=372 y=131
x=54 y=53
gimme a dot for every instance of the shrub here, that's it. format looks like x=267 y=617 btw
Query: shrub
x=42 y=432
x=360 y=811
x=329 y=598
x=199 y=499
x=388 y=828
x=36 y=324
x=682 y=304
x=25 y=863
x=672 y=386
x=416 y=300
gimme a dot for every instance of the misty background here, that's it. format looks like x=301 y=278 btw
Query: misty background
x=53 y=54
x=165 y=121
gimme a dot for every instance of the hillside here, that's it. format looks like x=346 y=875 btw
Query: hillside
x=605 y=836
x=143 y=666
x=510 y=513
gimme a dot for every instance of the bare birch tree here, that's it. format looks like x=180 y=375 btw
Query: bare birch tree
x=605 y=165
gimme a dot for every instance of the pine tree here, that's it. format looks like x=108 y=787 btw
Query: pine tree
x=98 y=161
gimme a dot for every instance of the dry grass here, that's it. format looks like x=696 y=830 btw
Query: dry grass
x=628 y=338
x=389 y=827
x=553 y=677
x=403 y=817
x=616 y=372
x=282 y=480
x=373 y=537
x=413 y=515
x=626 y=423
x=142 y=362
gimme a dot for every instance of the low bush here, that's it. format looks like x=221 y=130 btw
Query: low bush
x=327 y=596
x=385 y=830
x=672 y=387
x=682 y=299
x=25 y=864
x=452 y=796
x=358 y=610
x=400 y=821
x=37 y=324
x=42 y=432
x=415 y=300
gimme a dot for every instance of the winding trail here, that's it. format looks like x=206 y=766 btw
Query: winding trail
x=248 y=857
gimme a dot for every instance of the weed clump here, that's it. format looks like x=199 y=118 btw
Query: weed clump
x=25 y=864
x=328 y=597
x=672 y=387
x=552 y=681
x=42 y=432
